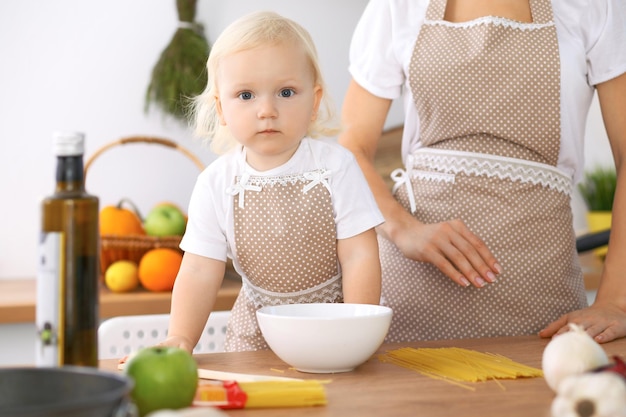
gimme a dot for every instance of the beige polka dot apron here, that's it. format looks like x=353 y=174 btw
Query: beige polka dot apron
x=487 y=94
x=286 y=246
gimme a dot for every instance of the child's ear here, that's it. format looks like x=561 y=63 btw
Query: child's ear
x=317 y=97
x=218 y=109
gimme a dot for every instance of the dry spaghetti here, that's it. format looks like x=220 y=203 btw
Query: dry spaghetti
x=459 y=365
x=260 y=394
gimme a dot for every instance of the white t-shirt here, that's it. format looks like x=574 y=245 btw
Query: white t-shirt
x=210 y=229
x=592 y=45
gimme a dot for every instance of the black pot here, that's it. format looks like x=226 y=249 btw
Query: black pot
x=69 y=391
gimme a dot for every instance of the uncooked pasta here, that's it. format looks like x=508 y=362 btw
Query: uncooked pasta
x=459 y=365
x=260 y=394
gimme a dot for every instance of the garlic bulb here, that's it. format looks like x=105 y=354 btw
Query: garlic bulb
x=571 y=353
x=601 y=394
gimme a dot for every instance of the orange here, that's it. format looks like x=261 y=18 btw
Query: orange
x=117 y=220
x=158 y=269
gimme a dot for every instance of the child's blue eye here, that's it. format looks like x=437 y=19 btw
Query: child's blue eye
x=287 y=92
x=246 y=95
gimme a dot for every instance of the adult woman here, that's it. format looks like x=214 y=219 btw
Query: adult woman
x=478 y=237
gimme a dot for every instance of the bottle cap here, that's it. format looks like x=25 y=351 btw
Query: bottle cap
x=68 y=143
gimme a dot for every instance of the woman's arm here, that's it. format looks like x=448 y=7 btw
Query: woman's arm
x=195 y=291
x=450 y=246
x=360 y=267
x=606 y=318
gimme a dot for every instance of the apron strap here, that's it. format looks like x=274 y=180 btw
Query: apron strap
x=436 y=10
x=541 y=11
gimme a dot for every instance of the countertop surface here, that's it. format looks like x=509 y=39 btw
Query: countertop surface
x=383 y=389
x=18 y=296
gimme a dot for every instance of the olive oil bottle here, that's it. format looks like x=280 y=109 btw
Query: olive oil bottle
x=68 y=271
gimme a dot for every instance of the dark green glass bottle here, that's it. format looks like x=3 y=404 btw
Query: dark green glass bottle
x=67 y=282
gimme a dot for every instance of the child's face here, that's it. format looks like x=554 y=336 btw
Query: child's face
x=267 y=97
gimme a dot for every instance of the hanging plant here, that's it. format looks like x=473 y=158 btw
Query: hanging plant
x=180 y=72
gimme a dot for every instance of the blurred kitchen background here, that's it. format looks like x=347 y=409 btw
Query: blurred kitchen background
x=85 y=66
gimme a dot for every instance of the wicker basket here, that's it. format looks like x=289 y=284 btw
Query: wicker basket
x=133 y=247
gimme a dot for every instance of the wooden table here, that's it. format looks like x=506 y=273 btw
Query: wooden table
x=18 y=298
x=382 y=389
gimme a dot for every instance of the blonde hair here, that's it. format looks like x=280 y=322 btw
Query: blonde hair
x=249 y=32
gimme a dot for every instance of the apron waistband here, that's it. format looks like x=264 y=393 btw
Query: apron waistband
x=503 y=167
x=441 y=165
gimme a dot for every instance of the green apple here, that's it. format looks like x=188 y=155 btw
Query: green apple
x=164 y=378
x=165 y=220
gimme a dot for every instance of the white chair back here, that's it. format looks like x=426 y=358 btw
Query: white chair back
x=122 y=335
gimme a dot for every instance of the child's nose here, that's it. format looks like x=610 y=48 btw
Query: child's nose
x=267 y=109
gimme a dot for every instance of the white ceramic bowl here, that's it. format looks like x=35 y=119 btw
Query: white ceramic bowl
x=324 y=337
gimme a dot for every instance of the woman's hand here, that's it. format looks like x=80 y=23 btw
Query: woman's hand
x=451 y=247
x=603 y=322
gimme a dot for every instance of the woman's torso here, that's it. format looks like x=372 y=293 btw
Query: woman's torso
x=577 y=23
x=487 y=95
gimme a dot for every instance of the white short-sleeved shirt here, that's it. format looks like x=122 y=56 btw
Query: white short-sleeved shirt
x=210 y=229
x=592 y=45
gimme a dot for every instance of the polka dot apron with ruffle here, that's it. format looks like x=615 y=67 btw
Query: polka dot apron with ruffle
x=286 y=246
x=487 y=94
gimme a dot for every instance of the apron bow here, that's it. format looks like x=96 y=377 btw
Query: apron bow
x=241 y=187
x=401 y=177
x=317 y=177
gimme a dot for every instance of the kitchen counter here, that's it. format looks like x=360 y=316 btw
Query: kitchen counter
x=18 y=298
x=382 y=389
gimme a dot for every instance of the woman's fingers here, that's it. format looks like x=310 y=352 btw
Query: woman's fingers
x=447 y=268
x=481 y=261
x=456 y=252
x=603 y=322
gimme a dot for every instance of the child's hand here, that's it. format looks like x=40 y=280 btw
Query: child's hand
x=124 y=359
x=179 y=342
x=175 y=341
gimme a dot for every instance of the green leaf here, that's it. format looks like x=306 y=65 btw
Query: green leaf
x=598 y=188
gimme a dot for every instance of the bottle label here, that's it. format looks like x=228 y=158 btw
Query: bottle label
x=49 y=300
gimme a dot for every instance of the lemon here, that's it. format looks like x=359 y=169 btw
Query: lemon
x=122 y=276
